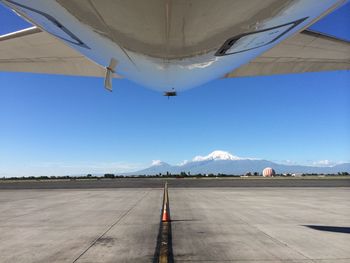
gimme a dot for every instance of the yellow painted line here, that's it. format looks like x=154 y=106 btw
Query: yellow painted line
x=164 y=244
x=165 y=250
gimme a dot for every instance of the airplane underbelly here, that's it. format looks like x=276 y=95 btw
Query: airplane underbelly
x=172 y=45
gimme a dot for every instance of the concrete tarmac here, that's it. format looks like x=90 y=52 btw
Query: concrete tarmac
x=260 y=225
x=181 y=183
x=79 y=225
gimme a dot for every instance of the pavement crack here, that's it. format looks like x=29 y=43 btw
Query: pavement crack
x=283 y=243
x=275 y=240
x=111 y=226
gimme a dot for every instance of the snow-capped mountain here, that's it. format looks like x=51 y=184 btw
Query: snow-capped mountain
x=226 y=163
x=217 y=155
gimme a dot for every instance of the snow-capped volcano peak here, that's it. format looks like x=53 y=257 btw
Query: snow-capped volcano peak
x=157 y=163
x=217 y=155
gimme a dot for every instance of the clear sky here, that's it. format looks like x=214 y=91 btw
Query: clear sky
x=57 y=125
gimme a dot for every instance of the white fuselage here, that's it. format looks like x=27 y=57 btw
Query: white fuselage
x=172 y=45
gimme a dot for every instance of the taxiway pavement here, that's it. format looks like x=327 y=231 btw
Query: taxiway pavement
x=236 y=224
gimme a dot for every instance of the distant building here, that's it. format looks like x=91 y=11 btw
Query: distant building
x=268 y=172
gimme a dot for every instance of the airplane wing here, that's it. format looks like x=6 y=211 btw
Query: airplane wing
x=307 y=51
x=35 y=51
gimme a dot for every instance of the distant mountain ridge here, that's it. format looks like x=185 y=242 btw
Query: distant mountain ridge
x=226 y=163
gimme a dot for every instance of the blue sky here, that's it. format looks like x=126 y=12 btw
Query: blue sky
x=57 y=125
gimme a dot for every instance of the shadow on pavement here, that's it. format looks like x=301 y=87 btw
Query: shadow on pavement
x=337 y=229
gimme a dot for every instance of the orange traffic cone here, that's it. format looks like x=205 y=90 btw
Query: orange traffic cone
x=166 y=211
x=165 y=215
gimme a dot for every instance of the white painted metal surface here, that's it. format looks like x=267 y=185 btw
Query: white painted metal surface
x=172 y=45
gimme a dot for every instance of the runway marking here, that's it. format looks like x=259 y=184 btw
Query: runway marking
x=165 y=244
x=111 y=226
x=164 y=248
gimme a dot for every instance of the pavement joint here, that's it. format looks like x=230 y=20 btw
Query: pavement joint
x=111 y=226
